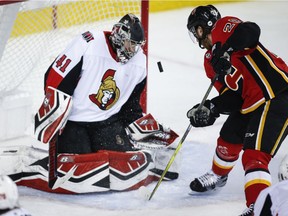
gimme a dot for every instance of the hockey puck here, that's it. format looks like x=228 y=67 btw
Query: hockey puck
x=160 y=66
x=143 y=192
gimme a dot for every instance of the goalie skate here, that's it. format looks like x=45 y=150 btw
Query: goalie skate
x=208 y=182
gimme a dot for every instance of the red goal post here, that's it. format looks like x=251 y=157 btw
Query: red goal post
x=32 y=34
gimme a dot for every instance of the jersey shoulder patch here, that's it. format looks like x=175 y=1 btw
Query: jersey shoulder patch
x=88 y=36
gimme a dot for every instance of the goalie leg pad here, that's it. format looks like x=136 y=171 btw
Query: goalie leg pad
x=52 y=115
x=105 y=170
x=129 y=170
x=76 y=174
x=85 y=173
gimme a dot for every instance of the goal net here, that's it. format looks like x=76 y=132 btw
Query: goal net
x=32 y=34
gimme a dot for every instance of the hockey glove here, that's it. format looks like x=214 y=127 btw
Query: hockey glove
x=204 y=116
x=221 y=59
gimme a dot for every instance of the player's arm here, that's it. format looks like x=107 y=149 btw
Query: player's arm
x=227 y=102
x=60 y=81
x=132 y=109
x=232 y=35
x=65 y=83
x=64 y=73
x=245 y=36
x=232 y=32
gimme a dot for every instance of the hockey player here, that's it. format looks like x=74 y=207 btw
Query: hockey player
x=253 y=90
x=273 y=201
x=104 y=74
x=283 y=169
x=9 y=198
x=92 y=119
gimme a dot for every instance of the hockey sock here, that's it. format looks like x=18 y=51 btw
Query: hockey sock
x=257 y=176
x=225 y=157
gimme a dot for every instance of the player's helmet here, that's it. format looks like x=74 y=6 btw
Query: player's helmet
x=204 y=16
x=8 y=193
x=283 y=169
x=127 y=37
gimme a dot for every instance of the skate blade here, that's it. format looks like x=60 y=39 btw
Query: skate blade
x=205 y=193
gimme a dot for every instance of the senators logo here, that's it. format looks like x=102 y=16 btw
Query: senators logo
x=108 y=93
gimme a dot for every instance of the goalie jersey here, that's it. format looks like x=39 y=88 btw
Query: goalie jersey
x=100 y=86
x=273 y=200
x=16 y=212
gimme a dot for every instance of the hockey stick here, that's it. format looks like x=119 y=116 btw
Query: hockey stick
x=182 y=139
x=52 y=161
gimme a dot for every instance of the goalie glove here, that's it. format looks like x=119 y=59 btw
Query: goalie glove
x=147 y=133
x=204 y=116
x=221 y=59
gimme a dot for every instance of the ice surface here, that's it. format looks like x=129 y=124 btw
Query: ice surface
x=170 y=94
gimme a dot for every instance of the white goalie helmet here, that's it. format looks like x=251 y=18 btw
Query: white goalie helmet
x=127 y=37
x=283 y=169
x=8 y=193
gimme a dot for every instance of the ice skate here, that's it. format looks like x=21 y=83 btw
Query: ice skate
x=208 y=182
x=249 y=211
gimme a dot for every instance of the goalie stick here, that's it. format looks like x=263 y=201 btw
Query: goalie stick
x=182 y=139
x=52 y=161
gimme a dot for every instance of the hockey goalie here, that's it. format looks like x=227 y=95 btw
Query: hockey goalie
x=92 y=121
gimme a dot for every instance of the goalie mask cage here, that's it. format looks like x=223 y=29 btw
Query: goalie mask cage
x=32 y=34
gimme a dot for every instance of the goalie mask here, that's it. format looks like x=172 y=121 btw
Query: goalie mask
x=8 y=193
x=127 y=37
x=204 y=17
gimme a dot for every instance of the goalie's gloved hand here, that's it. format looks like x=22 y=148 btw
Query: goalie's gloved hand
x=221 y=59
x=204 y=116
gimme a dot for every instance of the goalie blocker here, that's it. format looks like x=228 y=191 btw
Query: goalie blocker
x=52 y=115
x=104 y=170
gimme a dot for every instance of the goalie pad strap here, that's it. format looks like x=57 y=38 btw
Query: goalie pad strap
x=52 y=115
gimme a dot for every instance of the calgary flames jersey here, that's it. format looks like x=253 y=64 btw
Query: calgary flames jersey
x=89 y=71
x=257 y=74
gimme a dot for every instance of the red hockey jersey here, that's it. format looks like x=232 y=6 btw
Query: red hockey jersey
x=257 y=74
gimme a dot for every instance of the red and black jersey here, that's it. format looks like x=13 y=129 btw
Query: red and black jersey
x=258 y=75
